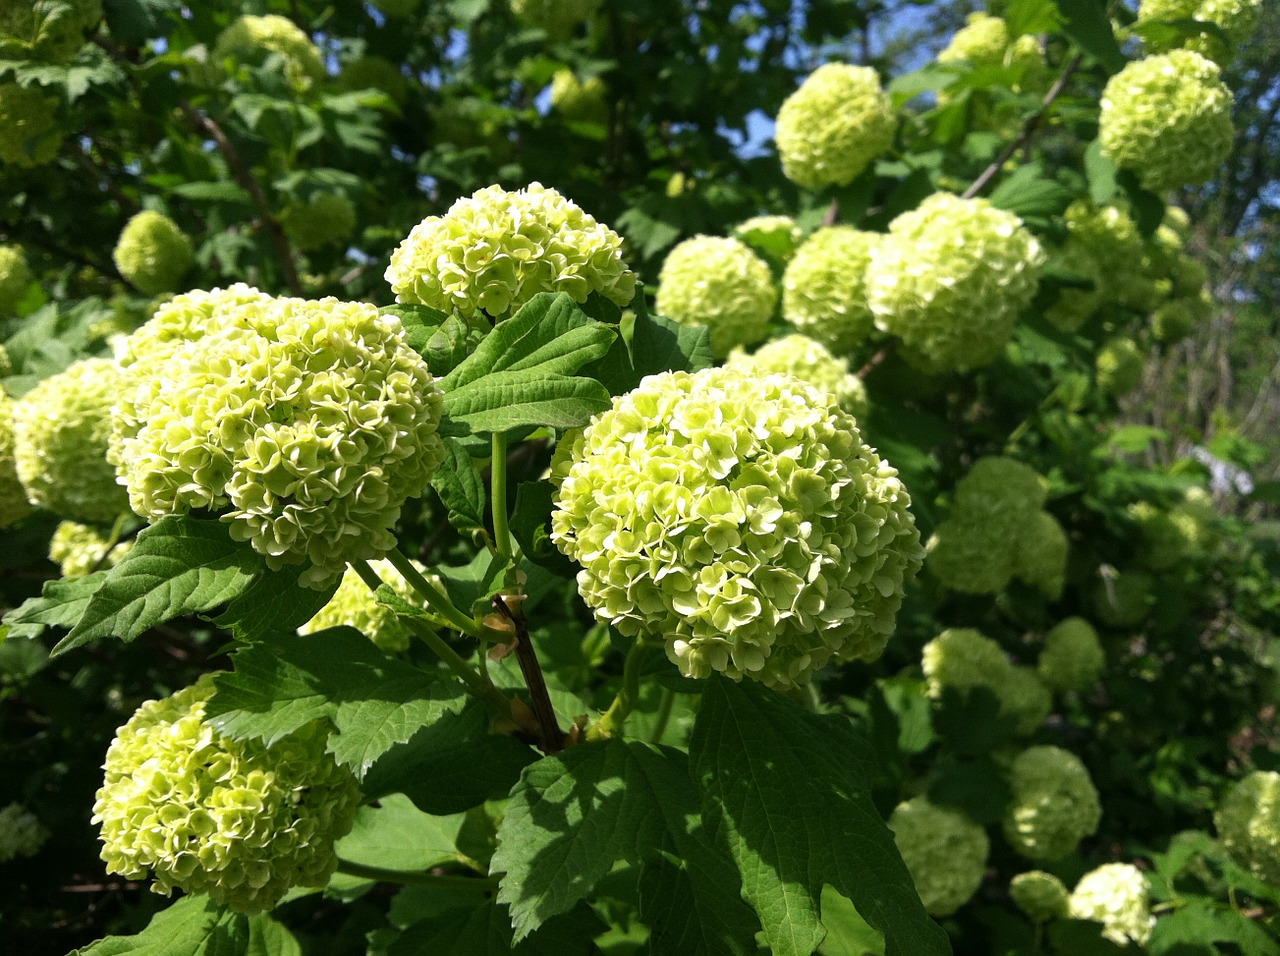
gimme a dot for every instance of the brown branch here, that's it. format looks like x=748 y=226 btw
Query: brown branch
x=552 y=735
x=872 y=363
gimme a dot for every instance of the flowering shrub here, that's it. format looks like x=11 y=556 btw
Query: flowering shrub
x=153 y=253
x=1248 y=823
x=1237 y=19
x=251 y=39
x=355 y=605
x=824 y=289
x=801 y=357
x=79 y=549
x=720 y=283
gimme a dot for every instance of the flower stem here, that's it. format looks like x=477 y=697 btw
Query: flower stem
x=478 y=883
x=434 y=598
x=611 y=721
x=498 y=494
x=552 y=737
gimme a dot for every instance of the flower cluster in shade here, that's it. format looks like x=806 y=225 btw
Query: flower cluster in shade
x=252 y=39
x=79 y=549
x=1054 y=804
x=1109 y=236
x=720 y=283
x=1168 y=119
x=739 y=519
x=945 y=853
x=305 y=424
x=1041 y=896
x=998 y=530
x=13 y=498
x=559 y=18
x=1072 y=657
x=1248 y=824
x=29 y=134
x=832 y=127
x=373 y=72
x=1123 y=599
x=235 y=819
x=1170 y=536
x=1117 y=896
x=801 y=357
x=1173 y=320
x=496 y=250
x=354 y=605
x=1074 y=305
x=774 y=237
x=21 y=833
x=984 y=41
x=824 y=287
x=319 y=220
x=951 y=278
x=152 y=253
x=43 y=31
x=1118 y=366
x=62 y=430
x=1237 y=19
x=581 y=101
x=962 y=659
x=15 y=277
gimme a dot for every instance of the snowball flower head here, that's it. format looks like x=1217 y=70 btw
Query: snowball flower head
x=1072 y=657
x=1238 y=19
x=1167 y=118
x=1248 y=823
x=496 y=250
x=579 y=100
x=1110 y=236
x=824 y=290
x=1122 y=600
x=1054 y=804
x=801 y=357
x=305 y=424
x=720 y=283
x=1119 y=366
x=13 y=497
x=945 y=853
x=1173 y=321
x=1116 y=895
x=62 y=429
x=251 y=39
x=316 y=222
x=1040 y=895
x=834 y=125
x=950 y=279
x=984 y=41
x=79 y=549
x=15 y=277
x=207 y=814
x=557 y=17
x=28 y=133
x=1026 y=699
x=21 y=833
x=1040 y=558
x=741 y=520
x=355 y=605
x=964 y=659
x=775 y=237
x=153 y=253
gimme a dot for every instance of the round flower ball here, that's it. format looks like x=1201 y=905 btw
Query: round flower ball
x=305 y=424
x=1118 y=366
x=251 y=39
x=720 y=283
x=1054 y=804
x=945 y=853
x=581 y=101
x=1041 y=896
x=152 y=253
x=1074 y=306
x=559 y=18
x=1248 y=823
x=971 y=557
x=1238 y=19
x=774 y=237
x=496 y=250
x=80 y=549
x=1111 y=237
x=28 y=130
x=984 y=41
x=1116 y=895
x=355 y=605
x=1175 y=319
x=741 y=520
x=951 y=278
x=824 y=288
x=1026 y=699
x=21 y=833
x=316 y=222
x=962 y=658
x=802 y=357
x=204 y=813
x=832 y=127
x=1040 y=557
x=15 y=278
x=62 y=429
x=13 y=497
x=1072 y=657
x=375 y=73
x=1168 y=119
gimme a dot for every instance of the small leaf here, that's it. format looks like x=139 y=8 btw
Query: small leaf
x=396 y=835
x=1089 y=25
x=212 y=192
x=531 y=526
x=193 y=926
x=1028 y=194
x=61 y=604
x=1031 y=16
x=460 y=486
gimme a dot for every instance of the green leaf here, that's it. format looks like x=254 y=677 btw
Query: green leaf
x=193 y=926
x=650 y=344
x=61 y=604
x=460 y=486
x=1101 y=173
x=934 y=76
x=473 y=585
x=531 y=526
x=396 y=835
x=269 y=938
x=787 y=789
x=1147 y=208
x=272 y=603
x=1203 y=923
x=132 y=22
x=485 y=930
x=509 y=400
x=1027 y=193
x=848 y=934
x=212 y=192
x=1031 y=16
x=374 y=701
x=1088 y=24
x=1135 y=439
x=975 y=786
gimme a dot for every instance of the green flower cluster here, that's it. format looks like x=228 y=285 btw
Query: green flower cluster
x=581 y=101
x=1072 y=657
x=1118 y=366
x=1111 y=237
x=1173 y=320
x=1248 y=823
x=354 y=605
x=1054 y=804
x=79 y=549
x=1040 y=895
x=803 y=358
x=234 y=819
x=251 y=39
x=1238 y=19
x=153 y=253
x=28 y=130
x=1169 y=536
x=21 y=833
x=375 y=73
x=1123 y=600
x=951 y=278
x=774 y=237
x=824 y=288
x=963 y=659
x=558 y=18
x=984 y=41
x=13 y=498
x=945 y=853
x=741 y=520
x=1115 y=895
x=1074 y=306
x=62 y=430
x=306 y=424
x=1168 y=119
x=496 y=250
x=834 y=125
x=1040 y=558
x=15 y=277
x=316 y=222
x=46 y=31
x=720 y=283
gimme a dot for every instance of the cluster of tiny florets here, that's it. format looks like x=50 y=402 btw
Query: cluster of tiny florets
x=558 y=18
x=1042 y=896
x=316 y=222
x=1111 y=237
x=251 y=39
x=775 y=237
x=21 y=833
x=234 y=819
x=1117 y=896
x=834 y=125
x=1118 y=365
x=1168 y=119
x=306 y=424
x=1238 y=19
x=951 y=278
x=79 y=549
x=62 y=430
x=1040 y=558
x=1248 y=823
x=945 y=853
x=720 y=283
x=15 y=277
x=1173 y=320
x=800 y=356
x=1169 y=536
x=28 y=130
x=13 y=497
x=1072 y=657
x=984 y=41
x=740 y=519
x=496 y=250
x=824 y=288
x=581 y=101
x=355 y=605
x=1075 y=305
x=44 y=31
x=963 y=659
x=153 y=253
x=1054 y=804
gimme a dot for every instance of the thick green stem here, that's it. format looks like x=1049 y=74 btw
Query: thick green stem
x=498 y=494
x=480 y=884
x=612 y=720
x=434 y=598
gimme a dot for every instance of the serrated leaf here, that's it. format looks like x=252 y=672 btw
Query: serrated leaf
x=272 y=603
x=509 y=400
x=460 y=486
x=531 y=527
x=1203 y=923
x=1028 y=194
x=1089 y=25
x=687 y=920
x=269 y=938
x=61 y=604
x=934 y=76
x=193 y=926
x=1031 y=16
x=373 y=701
x=787 y=789
x=472 y=585
x=396 y=835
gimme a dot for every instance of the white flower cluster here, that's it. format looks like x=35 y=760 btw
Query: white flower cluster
x=945 y=853
x=1116 y=895
x=824 y=288
x=801 y=357
x=1248 y=823
x=354 y=605
x=1054 y=804
x=1072 y=657
x=21 y=833
x=720 y=283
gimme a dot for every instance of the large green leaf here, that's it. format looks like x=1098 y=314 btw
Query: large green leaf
x=460 y=486
x=374 y=701
x=1031 y=16
x=1028 y=193
x=396 y=835
x=61 y=604
x=273 y=603
x=789 y=791
x=1088 y=23
x=1203 y=923
x=197 y=926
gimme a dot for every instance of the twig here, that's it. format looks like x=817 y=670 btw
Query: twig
x=552 y=735
x=872 y=363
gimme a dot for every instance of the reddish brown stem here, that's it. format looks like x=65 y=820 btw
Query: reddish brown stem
x=540 y=700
